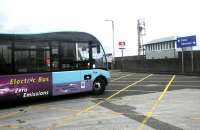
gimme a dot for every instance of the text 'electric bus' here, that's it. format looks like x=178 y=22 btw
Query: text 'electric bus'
x=51 y=64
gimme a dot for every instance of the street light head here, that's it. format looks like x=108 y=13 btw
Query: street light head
x=108 y=20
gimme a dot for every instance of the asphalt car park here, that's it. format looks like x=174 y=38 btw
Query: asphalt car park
x=132 y=101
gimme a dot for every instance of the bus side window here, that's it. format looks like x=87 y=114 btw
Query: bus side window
x=31 y=57
x=5 y=57
x=99 y=56
x=83 y=55
x=55 y=55
x=68 y=58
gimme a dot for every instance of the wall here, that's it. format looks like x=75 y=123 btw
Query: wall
x=141 y=64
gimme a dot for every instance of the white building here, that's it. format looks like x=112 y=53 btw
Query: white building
x=162 y=48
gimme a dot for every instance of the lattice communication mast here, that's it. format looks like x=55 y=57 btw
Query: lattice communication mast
x=141 y=31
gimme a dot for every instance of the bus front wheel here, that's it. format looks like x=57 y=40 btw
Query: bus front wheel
x=99 y=86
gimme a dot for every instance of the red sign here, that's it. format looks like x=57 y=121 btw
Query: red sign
x=121 y=44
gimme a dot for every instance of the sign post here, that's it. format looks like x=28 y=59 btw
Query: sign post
x=182 y=59
x=192 y=60
x=183 y=42
x=122 y=51
x=122 y=47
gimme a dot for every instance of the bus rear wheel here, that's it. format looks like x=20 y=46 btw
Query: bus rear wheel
x=99 y=86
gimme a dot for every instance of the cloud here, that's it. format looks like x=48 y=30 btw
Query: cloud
x=21 y=28
x=7 y=26
x=3 y=21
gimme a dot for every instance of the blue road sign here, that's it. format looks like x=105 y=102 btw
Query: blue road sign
x=186 y=41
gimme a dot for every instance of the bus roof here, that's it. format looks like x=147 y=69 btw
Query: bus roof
x=51 y=36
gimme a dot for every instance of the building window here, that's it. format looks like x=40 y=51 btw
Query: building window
x=170 y=45
x=153 y=46
x=148 y=47
x=173 y=44
x=164 y=45
x=158 y=46
x=161 y=46
x=167 y=45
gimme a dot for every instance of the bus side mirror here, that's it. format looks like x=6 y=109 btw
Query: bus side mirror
x=84 y=49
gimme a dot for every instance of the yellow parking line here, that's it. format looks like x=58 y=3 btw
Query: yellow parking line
x=9 y=126
x=48 y=129
x=155 y=105
x=8 y=115
x=100 y=102
x=13 y=114
x=128 y=87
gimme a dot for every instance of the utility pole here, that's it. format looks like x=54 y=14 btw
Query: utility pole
x=138 y=33
x=113 y=41
x=113 y=36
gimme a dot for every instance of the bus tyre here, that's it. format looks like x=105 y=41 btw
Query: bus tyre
x=99 y=86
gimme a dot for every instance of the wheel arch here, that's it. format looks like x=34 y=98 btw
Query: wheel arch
x=101 y=77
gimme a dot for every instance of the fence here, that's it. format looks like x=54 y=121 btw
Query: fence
x=140 y=64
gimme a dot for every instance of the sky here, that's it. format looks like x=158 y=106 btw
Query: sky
x=163 y=18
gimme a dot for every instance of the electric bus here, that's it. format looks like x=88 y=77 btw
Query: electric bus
x=51 y=64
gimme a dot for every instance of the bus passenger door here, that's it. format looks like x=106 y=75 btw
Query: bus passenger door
x=84 y=61
x=66 y=82
x=67 y=79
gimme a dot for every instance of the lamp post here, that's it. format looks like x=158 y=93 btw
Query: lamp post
x=113 y=36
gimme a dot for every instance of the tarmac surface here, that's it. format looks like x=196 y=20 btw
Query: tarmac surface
x=132 y=101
